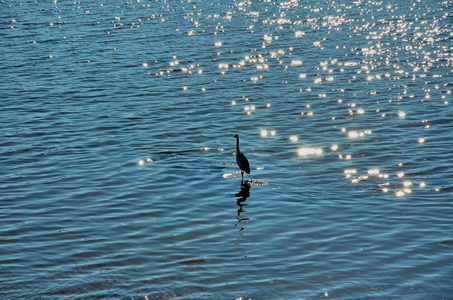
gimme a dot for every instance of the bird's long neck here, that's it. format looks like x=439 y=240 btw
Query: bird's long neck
x=237 y=146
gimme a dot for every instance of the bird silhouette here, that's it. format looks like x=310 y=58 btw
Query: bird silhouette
x=241 y=160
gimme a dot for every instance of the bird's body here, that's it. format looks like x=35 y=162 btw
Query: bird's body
x=241 y=160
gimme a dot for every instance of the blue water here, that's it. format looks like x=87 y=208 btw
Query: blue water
x=118 y=174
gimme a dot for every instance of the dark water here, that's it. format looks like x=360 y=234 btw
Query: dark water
x=118 y=175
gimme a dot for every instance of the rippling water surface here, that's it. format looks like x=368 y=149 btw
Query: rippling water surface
x=117 y=151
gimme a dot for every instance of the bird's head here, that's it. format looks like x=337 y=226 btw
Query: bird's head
x=236 y=136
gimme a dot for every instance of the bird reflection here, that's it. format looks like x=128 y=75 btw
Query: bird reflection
x=242 y=195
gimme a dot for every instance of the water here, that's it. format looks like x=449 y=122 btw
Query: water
x=117 y=151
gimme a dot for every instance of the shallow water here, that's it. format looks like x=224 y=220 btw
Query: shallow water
x=117 y=151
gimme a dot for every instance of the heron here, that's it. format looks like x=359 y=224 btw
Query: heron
x=241 y=160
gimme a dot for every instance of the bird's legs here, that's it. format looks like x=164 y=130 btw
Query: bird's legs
x=242 y=174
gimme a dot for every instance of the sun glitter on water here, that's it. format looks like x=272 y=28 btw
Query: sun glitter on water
x=142 y=162
x=264 y=133
x=307 y=151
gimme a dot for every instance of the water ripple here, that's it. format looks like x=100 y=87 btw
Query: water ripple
x=119 y=174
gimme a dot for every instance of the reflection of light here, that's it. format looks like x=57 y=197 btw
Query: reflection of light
x=373 y=171
x=353 y=134
x=267 y=38
x=348 y=172
x=383 y=175
x=422 y=184
x=421 y=140
x=142 y=162
x=299 y=34
x=334 y=147
x=218 y=44
x=350 y=64
x=400 y=193
x=228 y=175
x=265 y=133
x=401 y=114
x=407 y=183
x=304 y=151
x=363 y=177
x=400 y=174
x=293 y=138
x=296 y=62
x=249 y=108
